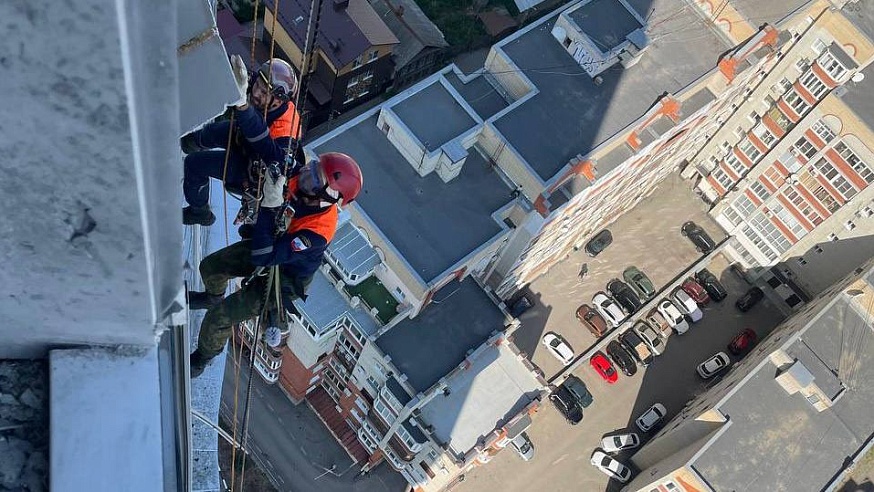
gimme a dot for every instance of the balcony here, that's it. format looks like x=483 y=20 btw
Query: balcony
x=374 y=295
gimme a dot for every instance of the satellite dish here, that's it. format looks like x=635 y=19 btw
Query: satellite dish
x=858 y=77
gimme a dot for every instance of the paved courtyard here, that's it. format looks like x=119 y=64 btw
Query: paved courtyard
x=649 y=238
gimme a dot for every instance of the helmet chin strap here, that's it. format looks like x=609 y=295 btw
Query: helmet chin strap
x=322 y=195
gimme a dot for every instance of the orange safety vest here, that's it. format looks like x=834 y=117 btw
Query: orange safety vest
x=323 y=223
x=287 y=125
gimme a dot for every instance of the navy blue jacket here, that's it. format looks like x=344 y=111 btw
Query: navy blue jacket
x=255 y=142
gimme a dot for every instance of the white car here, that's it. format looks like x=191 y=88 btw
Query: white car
x=687 y=305
x=612 y=313
x=674 y=316
x=610 y=467
x=620 y=442
x=558 y=347
x=523 y=446
x=714 y=365
x=651 y=417
x=650 y=337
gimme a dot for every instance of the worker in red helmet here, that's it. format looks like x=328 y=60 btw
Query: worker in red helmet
x=265 y=120
x=315 y=193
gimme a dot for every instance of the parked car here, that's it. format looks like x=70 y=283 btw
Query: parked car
x=650 y=336
x=620 y=356
x=673 y=315
x=750 y=299
x=699 y=237
x=686 y=305
x=567 y=405
x=522 y=445
x=711 y=284
x=657 y=321
x=744 y=342
x=638 y=281
x=598 y=243
x=579 y=390
x=620 y=442
x=650 y=418
x=637 y=347
x=623 y=294
x=603 y=367
x=592 y=320
x=558 y=347
x=612 y=468
x=695 y=291
x=714 y=365
x=520 y=305
x=608 y=308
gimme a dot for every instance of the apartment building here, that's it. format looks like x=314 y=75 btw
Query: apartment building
x=352 y=59
x=788 y=171
x=793 y=415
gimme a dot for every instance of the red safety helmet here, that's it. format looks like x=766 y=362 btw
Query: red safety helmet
x=279 y=77
x=342 y=175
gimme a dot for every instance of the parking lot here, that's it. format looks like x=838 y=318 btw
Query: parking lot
x=647 y=237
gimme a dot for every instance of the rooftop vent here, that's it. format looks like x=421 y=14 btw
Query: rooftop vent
x=334 y=44
x=341 y=4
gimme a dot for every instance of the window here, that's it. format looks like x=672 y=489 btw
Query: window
x=358 y=61
x=372 y=56
x=770 y=233
x=753 y=117
x=722 y=179
x=804 y=147
x=735 y=164
x=408 y=439
x=796 y=102
x=764 y=135
x=823 y=131
x=803 y=206
x=760 y=190
x=779 y=118
x=731 y=215
x=739 y=132
x=818 y=46
x=829 y=172
x=759 y=243
x=750 y=150
x=802 y=64
x=853 y=160
x=813 y=85
x=331 y=392
x=819 y=192
x=384 y=412
x=347 y=346
x=744 y=206
x=789 y=220
x=831 y=65
x=341 y=371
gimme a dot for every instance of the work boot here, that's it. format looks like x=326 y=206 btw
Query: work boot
x=197 y=363
x=203 y=300
x=197 y=215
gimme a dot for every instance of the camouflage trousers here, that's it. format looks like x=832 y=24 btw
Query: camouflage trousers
x=216 y=270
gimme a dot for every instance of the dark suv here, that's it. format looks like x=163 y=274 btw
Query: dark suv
x=711 y=284
x=750 y=299
x=598 y=243
x=699 y=237
x=623 y=294
x=567 y=405
x=621 y=358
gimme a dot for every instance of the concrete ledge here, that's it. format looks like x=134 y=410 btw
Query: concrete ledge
x=105 y=420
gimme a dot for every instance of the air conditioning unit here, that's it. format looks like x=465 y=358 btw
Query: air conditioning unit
x=833 y=237
x=849 y=225
x=865 y=212
x=801 y=260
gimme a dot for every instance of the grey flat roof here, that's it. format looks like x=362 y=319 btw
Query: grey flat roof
x=571 y=115
x=606 y=22
x=427 y=347
x=397 y=390
x=480 y=94
x=696 y=101
x=432 y=224
x=758 y=12
x=778 y=441
x=858 y=96
x=861 y=14
x=325 y=304
x=490 y=392
x=434 y=116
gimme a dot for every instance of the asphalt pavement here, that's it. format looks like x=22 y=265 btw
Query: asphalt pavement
x=294 y=448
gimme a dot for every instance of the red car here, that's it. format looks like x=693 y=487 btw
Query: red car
x=604 y=367
x=742 y=343
x=695 y=291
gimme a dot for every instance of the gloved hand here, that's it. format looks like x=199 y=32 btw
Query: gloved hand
x=274 y=190
x=273 y=336
x=190 y=143
x=241 y=78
